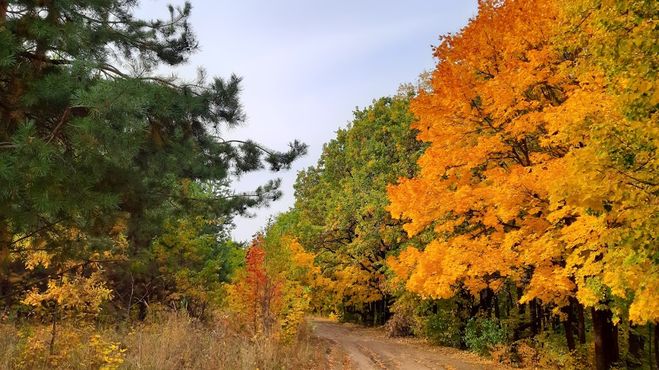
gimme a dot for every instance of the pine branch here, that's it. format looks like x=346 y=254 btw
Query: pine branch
x=43 y=228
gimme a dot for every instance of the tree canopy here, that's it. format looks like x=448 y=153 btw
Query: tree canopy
x=106 y=162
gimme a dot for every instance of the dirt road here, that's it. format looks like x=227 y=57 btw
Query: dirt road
x=354 y=347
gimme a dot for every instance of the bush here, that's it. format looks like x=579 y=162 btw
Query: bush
x=443 y=328
x=546 y=350
x=400 y=325
x=76 y=346
x=482 y=334
x=519 y=354
x=553 y=352
x=405 y=320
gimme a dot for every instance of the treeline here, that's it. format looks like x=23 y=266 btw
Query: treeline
x=115 y=182
x=507 y=204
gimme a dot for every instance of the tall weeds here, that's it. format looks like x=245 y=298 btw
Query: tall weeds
x=173 y=341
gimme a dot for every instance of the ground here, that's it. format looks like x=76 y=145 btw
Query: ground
x=355 y=347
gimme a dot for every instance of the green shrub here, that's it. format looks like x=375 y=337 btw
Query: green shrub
x=443 y=328
x=553 y=352
x=481 y=334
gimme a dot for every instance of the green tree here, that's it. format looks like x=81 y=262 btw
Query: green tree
x=98 y=152
x=341 y=204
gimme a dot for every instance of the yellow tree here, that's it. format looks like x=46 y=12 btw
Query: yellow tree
x=272 y=293
x=541 y=166
x=609 y=182
x=477 y=182
x=611 y=121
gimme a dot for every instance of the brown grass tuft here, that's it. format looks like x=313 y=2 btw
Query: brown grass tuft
x=175 y=341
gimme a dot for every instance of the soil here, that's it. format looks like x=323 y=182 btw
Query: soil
x=355 y=347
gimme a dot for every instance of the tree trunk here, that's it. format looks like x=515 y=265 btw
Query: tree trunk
x=144 y=309
x=3 y=12
x=387 y=308
x=53 y=333
x=485 y=301
x=606 y=339
x=569 y=327
x=5 y=245
x=534 y=316
x=569 y=335
x=546 y=314
x=635 y=347
x=581 y=322
x=509 y=301
x=521 y=307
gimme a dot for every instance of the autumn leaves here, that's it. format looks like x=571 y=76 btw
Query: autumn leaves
x=542 y=168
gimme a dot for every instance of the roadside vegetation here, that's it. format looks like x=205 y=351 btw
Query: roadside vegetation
x=167 y=340
x=504 y=204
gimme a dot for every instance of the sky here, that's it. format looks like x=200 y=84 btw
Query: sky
x=306 y=65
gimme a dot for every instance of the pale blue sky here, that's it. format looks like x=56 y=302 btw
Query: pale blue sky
x=307 y=64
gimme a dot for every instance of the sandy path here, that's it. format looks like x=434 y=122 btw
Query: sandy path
x=355 y=347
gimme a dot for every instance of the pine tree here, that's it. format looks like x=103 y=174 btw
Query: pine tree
x=97 y=151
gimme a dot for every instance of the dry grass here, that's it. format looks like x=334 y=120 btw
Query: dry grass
x=173 y=342
x=8 y=346
x=181 y=342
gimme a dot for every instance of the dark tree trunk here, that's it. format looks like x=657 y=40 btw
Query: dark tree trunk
x=143 y=310
x=485 y=301
x=569 y=327
x=635 y=347
x=606 y=339
x=534 y=316
x=540 y=315
x=3 y=11
x=509 y=300
x=5 y=245
x=53 y=333
x=548 y=322
x=543 y=318
x=569 y=335
x=521 y=307
x=581 y=322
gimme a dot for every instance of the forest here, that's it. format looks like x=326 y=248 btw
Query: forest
x=503 y=204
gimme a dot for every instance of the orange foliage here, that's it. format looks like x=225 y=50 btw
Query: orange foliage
x=524 y=179
x=493 y=82
x=257 y=296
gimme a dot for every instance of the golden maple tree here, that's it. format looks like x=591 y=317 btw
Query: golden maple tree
x=493 y=82
x=542 y=166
